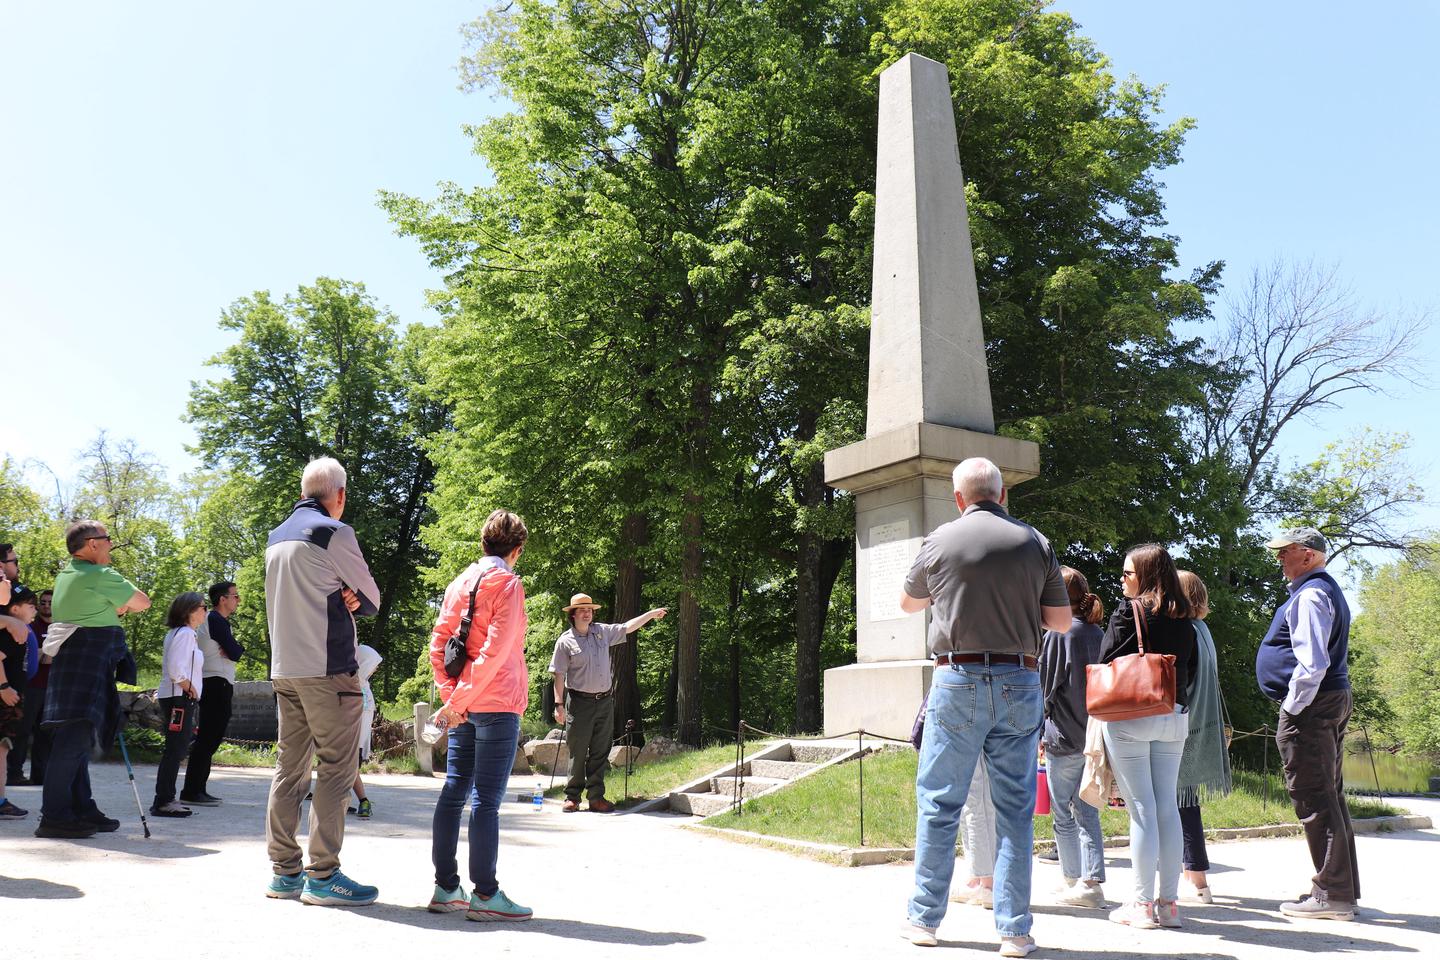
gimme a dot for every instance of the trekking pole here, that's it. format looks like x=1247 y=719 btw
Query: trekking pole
x=130 y=771
x=629 y=746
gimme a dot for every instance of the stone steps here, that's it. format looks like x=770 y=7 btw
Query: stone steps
x=778 y=769
x=772 y=768
x=749 y=786
x=699 y=804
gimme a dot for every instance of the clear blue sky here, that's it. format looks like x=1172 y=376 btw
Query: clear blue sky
x=164 y=158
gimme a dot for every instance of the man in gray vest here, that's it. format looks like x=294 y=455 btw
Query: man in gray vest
x=222 y=652
x=993 y=585
x=581 y=665
x=1303 y=664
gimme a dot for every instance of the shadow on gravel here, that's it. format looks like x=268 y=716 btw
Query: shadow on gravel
x=30 y=888
x=554 y=927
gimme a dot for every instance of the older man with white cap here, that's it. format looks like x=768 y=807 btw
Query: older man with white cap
x=581 y=665
x=1303 y=664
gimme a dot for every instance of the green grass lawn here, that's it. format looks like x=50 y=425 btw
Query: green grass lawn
x=825 y=807
x=659 y=778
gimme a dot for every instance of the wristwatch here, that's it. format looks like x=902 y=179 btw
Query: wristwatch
x=6 y=686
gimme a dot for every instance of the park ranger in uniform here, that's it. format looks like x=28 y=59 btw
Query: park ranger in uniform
x=581 y=665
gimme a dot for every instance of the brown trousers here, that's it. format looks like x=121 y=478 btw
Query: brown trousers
x=319 y=717
x=1312 y=748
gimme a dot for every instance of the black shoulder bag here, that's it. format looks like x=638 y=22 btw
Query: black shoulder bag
x=455 y=654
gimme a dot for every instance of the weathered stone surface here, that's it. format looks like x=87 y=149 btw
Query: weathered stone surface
x=556 y=734
x=658 y=747
x=547 y=756
x=522 y=763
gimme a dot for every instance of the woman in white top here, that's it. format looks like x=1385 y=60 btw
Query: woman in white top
x=179 y=696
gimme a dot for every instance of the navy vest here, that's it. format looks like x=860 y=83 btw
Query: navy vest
x=1275 y=660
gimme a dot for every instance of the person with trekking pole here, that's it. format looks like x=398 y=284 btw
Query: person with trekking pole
x=581 y=666
x=82 y=706
x=477 y=652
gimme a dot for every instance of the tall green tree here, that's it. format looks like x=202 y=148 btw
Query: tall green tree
x=656 y=313
x=325 y=371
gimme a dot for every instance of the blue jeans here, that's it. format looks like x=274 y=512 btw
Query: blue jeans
x=478 y=760
x=975 y=709
x=1145 y=755
x=67 y=780
x=1077 y=824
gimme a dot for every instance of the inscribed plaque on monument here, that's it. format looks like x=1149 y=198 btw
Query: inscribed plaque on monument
x=889 y=557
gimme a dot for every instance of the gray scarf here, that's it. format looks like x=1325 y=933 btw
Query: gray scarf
x=1206 y=762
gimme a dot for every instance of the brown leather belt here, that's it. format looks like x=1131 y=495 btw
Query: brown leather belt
x=603 y=694
x=989 y=659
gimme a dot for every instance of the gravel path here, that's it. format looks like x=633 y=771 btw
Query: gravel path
x=619 y=886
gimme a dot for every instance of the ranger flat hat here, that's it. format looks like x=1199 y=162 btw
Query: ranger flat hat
x=1303 y=536
x=582 y=600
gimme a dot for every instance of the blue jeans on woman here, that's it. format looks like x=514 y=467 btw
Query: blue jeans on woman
x=1145 y=755
x=976 y=710
x=1077 y=824
x=478 y=760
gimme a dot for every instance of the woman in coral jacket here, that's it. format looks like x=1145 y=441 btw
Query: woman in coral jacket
x=481 y=710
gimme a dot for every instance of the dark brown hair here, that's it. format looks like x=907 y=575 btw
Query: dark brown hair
x=502 y=533
x=1083 y=603
x=1157 y=584
x=1196 y=593
x=181 y=608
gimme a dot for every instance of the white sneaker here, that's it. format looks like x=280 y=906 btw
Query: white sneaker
x=1135 y=913
x=1016 y=946
x=1200 y=894
x=918 y=935
x=1081 y=894
x=978 y=896
x=1167 y=913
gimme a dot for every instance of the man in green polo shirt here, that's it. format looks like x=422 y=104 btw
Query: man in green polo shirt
x=82 y=708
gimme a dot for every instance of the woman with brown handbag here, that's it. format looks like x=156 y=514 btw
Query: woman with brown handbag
x=1145 y=751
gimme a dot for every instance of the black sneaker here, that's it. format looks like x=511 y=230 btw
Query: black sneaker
x=8 y=811
x=201 y=799
x=169 y=808
x=102 y=823
x=65 y=829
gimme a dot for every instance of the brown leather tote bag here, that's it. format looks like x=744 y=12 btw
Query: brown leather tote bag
x=1133 y=686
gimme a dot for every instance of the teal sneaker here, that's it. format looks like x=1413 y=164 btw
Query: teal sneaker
x=337 y=890
x=448 y=901
x=497 y=908
x=366 y=809
x=285 y=888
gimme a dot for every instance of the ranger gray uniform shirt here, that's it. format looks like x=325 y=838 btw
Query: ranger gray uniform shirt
x=585 y=661
x=987 y=575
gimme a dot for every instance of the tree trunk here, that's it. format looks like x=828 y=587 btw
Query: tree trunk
x=625 y=658
x=808 y=631
x=687 y=690
x=736 y=588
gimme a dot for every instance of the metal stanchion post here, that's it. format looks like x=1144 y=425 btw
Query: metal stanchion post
x=862 y=787
x=1265 y=796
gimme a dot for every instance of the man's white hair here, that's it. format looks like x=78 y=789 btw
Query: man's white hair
x=323 y=479
x=978 y=479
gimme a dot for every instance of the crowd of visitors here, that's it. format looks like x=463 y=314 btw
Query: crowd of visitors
x=1129 y=714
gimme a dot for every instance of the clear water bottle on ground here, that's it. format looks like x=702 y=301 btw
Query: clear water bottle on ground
x=537 y=802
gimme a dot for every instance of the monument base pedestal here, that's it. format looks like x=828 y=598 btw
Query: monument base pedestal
x=880 y=698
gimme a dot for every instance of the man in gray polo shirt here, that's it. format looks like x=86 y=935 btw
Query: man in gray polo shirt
x=994 y=585
x=581 y=664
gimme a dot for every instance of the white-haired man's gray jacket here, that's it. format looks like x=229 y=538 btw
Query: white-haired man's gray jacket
x=309 y=560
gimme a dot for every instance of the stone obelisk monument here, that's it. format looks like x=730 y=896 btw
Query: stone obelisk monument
x=929 y=400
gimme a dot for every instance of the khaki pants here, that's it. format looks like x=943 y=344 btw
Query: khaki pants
x=319 y=717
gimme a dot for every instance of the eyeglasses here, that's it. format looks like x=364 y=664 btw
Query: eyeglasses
x=106 y=538
x=1126 y=574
